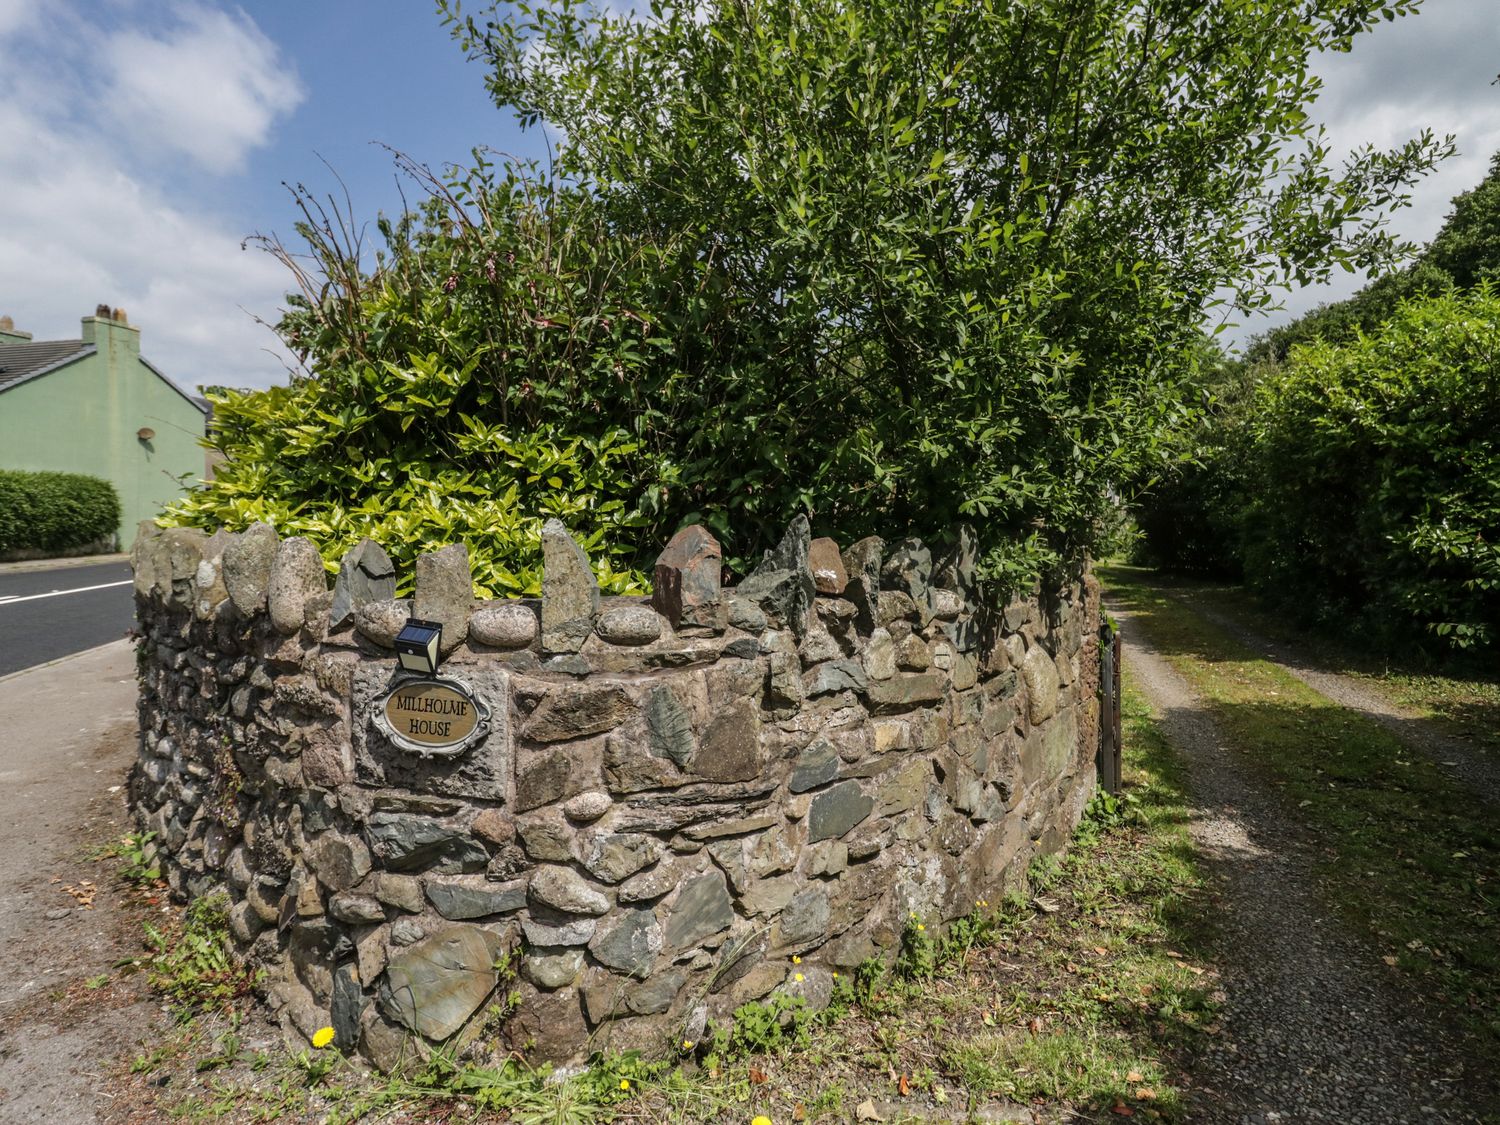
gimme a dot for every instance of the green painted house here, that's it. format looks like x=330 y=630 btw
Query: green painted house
x=94 y=405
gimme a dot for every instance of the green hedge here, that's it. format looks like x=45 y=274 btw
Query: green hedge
x=1374 y=500
x=55 y=511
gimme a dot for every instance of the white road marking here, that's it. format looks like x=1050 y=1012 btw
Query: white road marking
x=10 y=599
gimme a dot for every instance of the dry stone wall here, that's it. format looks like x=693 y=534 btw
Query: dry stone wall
x=677 y=796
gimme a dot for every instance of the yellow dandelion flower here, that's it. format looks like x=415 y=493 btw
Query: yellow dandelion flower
x=762 y=1119
x=322 y=1037
x=624 y=1083
x=835 y=976
x=798 y=977
x=687 y=1044
x=796 y=960
x=920 y=926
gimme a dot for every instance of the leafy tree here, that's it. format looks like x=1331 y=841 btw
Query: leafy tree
x=1467 y=248
x=1464 y=252
x=1190 y=519
x=900 y=264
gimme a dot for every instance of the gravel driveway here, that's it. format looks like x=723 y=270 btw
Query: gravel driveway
x=1317 y=1027
x=1471 y=767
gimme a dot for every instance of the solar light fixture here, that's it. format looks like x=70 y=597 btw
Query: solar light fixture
x=417 y=646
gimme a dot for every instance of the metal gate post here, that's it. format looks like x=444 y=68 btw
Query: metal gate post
x=1119 y=735
x=1108 y=759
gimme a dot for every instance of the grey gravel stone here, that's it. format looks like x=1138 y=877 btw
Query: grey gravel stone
x=358 y=910
x=655 y=996
x=701 y=910
x=552 y=968
x=818 y=765
x=560 y=930
x=410 y=843
x=908 y=570
x=782 y=585
x=297 y=575
x=1313 y=1031
x=615 y=857
x=348 y=1005
x=1040 y=675
x=805 y=916
x=835 y=676
x=339 y=860
x=460 y=899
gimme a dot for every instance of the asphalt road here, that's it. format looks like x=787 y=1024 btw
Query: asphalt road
x=48 y=614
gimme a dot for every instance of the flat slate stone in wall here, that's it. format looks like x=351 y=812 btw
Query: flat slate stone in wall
x=674 y=799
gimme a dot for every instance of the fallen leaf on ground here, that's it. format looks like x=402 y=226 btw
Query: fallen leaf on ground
x=866 y=1112
x=1146 y=1094
x=1135 y=1076
x=1122 y=1109
x=1389 y=960
x=799 y=1112
x=757 y=1076
x=903 y=1086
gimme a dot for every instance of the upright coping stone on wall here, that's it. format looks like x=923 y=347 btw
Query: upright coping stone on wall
x=366 y=574
x=141 y=562
x=297 y=576
x=247 y=567
x=570 y=593
x=782 y=585
x=862 y=569
x=445 y=593
x=908 y=570
x=686 y=580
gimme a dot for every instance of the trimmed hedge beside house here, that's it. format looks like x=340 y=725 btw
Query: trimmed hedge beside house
x=55 y=512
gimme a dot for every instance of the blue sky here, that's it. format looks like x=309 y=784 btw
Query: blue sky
x=140 y=142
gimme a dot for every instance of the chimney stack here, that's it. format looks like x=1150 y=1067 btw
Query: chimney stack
x=108 y=330
x=10 y=334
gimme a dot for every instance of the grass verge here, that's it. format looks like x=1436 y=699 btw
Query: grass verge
x=1461 y=696
x=1406 y=853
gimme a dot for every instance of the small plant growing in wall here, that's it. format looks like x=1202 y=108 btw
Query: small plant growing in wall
x=193 y=962
x=223 y=798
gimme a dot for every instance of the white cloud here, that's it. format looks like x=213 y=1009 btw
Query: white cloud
x=14 y=14
x=211 y=86
x=1432 y=70
x=84 y=220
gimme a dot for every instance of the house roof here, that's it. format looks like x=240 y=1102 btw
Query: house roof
x=19 y=362
x=22 y=362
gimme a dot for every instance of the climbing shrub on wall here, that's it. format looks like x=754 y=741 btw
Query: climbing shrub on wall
x=858 y=259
